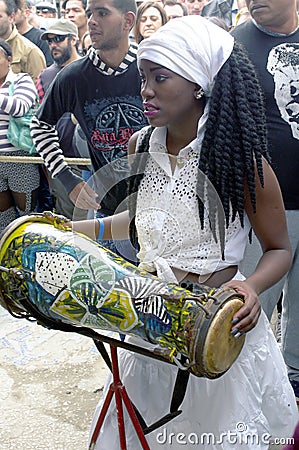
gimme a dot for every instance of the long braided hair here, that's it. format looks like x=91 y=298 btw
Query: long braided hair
x=235 y=141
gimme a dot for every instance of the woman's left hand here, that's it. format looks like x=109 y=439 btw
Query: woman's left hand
x=249 y=313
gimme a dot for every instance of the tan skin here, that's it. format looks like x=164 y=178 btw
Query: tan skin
x=149 y=22
x=195 y=6
x=75 y=12
x=6 y=22
x=11 y=198
x=57 y=49
x=279 y=16
x=109 y=33
x=162 y=91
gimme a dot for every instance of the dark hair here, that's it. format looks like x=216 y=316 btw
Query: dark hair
x=234 y=142
x=84 y=37
x=218 y=21
x=11 y=7
x=140 y=10
x=6 y=48
x=125 y=5
x=84 y=3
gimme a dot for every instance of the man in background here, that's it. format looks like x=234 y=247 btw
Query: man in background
x=174 y=9
x=271 y=37
x=195 y=7
x=46 y=9
x=46 y=12
x=75 y=11
x=29 y=31
x=27 y=57
x=62 y=40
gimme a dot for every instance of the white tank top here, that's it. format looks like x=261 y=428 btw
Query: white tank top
x=167 y=218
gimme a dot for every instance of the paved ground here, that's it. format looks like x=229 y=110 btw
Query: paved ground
x=50 y=384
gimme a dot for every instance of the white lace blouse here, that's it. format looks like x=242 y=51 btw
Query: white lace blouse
x=167 y=218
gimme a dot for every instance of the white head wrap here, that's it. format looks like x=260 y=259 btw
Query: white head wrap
x=191 y=46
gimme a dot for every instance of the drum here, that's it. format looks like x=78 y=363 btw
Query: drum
x=72 y=279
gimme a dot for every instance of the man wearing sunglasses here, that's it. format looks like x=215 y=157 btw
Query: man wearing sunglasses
x=62 y=39
x=102 y=90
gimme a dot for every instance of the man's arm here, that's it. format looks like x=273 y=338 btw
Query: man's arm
x=46 y=140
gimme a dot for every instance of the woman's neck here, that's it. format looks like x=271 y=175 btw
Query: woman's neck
x=176 y=141
x=180 y=135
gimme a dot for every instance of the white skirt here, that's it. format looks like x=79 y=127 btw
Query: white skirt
x=251 y=403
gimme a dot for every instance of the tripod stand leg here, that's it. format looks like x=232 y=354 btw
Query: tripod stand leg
x=101 y=418
x=134 y=419
x=120 y=417
x=117 y=388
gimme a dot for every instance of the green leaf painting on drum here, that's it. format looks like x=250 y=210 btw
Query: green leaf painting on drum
x=92 y=299
x=93 y=276
x=116 y=313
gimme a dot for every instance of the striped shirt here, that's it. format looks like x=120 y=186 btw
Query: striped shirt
x=16 y=105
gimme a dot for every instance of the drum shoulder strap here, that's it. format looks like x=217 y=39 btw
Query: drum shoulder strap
x=178 y=396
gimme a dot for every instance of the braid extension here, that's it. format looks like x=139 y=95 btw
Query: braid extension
x=136 y=175
x=235 y=138
x=234 y=143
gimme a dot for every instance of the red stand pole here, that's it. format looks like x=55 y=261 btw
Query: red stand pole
x=117 y=388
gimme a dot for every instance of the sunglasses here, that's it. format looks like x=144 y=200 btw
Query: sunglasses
x=57 y=39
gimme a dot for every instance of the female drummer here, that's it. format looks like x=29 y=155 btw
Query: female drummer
x=201 y=178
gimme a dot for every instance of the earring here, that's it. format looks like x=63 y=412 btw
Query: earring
x=199 y=93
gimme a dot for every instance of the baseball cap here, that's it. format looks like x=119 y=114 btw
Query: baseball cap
x=61 y=27
x=46 y=5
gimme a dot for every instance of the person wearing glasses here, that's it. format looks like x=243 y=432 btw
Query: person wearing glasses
x=62 y=39
x=47 y=13
x=26 y=29
x=46 y=9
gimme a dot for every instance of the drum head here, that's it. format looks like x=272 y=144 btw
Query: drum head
x=216 y=349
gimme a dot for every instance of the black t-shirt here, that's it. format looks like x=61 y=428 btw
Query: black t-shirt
x=276 y=59
x=109 y=110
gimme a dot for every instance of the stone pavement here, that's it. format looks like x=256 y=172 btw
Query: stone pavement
x=50 y=384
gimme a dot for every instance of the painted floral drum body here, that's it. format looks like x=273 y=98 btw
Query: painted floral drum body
x=73 y=280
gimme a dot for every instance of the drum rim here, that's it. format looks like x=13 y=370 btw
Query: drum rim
x=38 y=217
x=198 y=341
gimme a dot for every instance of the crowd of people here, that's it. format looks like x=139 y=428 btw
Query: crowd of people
x=213 y=84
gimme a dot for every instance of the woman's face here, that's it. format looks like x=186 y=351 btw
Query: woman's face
x=150 y=21
x=4 y=65
x=167 y=97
